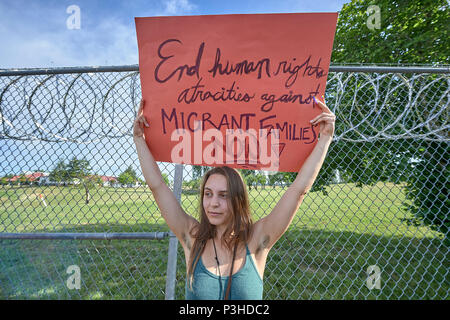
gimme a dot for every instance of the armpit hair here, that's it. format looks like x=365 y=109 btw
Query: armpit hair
x=187 y=241
x=263 y=244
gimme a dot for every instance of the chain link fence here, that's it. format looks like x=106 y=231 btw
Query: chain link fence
x=78 y=222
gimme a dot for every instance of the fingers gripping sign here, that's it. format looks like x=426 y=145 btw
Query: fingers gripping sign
x=326 y=119
x=140 y=122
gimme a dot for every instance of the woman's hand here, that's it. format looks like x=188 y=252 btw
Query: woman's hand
x=326 y=119
x=140 y=122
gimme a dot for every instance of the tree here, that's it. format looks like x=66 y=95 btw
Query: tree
x=411 y=32
x=248 y=176
x=127 y=177
x=4 y=180
x=199 y=171
x=94 y=180
x=428 y=189
x=192 y=185
x=76 y=171
x=260 y=179
x=59 y=173
x=281 y=178
x=79 y=170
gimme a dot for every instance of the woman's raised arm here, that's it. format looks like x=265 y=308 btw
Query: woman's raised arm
x=176 y=218
x=150 y=169
x=270 y=228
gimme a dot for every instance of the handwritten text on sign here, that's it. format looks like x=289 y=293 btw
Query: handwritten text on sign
x=235 y=89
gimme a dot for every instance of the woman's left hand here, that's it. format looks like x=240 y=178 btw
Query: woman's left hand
x=326 y=119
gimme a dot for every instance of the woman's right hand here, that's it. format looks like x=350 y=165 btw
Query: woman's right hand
x=140 y=122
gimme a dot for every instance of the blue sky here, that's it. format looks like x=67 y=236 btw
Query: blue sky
x=34 y=33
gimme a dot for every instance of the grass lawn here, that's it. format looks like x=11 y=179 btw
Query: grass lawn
x=324 y=255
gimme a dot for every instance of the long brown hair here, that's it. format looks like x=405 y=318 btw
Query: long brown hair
x=239 y=229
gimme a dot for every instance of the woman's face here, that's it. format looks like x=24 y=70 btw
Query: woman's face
x=215 y=200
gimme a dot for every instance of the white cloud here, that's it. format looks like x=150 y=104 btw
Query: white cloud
x=110 y=43
x=176 y=7
x=36 y=42
x=36 y=35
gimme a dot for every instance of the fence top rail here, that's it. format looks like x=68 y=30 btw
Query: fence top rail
x=388 y=69
x=67 y=70
x=135 y=67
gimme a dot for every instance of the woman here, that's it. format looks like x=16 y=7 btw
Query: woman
x=225 y=251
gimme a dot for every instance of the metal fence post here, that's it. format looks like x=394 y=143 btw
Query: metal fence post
x=173 y=241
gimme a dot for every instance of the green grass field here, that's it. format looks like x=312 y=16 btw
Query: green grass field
x=324 y=254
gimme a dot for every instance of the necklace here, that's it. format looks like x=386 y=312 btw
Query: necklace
x=230 y=279
x=217 y=259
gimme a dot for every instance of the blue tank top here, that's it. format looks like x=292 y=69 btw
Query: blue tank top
x=246 y=285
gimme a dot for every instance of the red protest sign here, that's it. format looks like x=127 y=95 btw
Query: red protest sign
x=234 y=90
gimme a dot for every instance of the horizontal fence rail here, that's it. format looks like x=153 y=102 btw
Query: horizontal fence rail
x=336 y=68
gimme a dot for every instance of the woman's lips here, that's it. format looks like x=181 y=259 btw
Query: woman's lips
x=214 y=213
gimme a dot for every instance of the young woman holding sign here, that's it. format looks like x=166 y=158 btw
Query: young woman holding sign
x=226 y=251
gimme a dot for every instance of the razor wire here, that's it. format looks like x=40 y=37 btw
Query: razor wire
x=107 y=104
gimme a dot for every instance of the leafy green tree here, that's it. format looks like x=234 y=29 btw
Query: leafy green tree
x=22 y=180
x=79 y=170
x=193 y=184
x=59 y=173
x=126 y=178
x=94 y=180
x=129 y=176
x=199 y=171
x=411 y=32
x=281 y=178
x=260 y=179
x=4 y=181
x=248 y=176
x=428 y=188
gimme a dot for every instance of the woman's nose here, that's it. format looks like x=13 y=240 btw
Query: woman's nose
x=215 y=201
